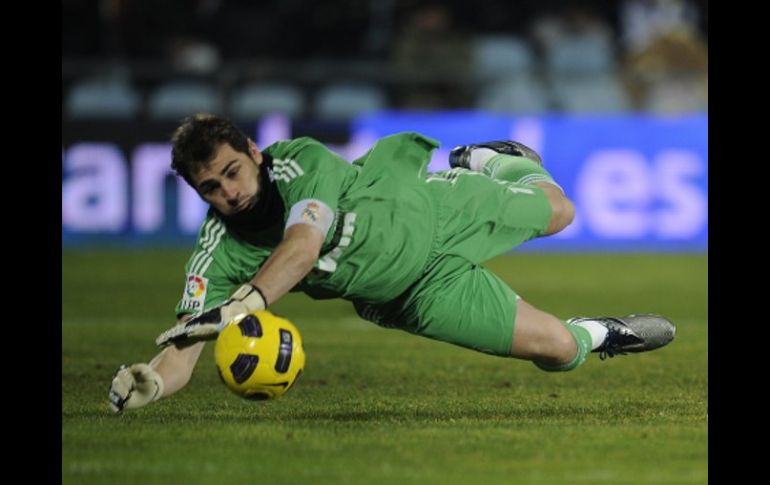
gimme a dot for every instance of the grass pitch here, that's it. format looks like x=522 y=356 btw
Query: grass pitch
x=383 y=406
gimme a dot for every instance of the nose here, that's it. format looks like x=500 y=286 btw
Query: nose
x=231 y=193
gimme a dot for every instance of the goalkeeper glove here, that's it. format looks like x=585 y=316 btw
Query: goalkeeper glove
x=206 y=326
x=134 y=387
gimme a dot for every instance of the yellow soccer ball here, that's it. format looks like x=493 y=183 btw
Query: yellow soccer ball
x=259 y=356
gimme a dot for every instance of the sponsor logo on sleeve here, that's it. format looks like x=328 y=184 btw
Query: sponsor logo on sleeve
x=194 y=293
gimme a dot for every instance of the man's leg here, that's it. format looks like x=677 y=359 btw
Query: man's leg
x=554 y=345
x=538 y=336
x=464 y=304
x=511 y=161
x=547 y=341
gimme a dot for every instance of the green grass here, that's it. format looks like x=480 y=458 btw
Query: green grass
x=383 y=406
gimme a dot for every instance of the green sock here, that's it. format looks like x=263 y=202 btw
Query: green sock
x=516 y=169
x=583 y=339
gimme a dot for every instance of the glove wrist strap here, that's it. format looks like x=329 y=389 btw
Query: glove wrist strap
x=251 y=296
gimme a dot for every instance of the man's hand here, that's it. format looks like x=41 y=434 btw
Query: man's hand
x=207 y=325
x=134 y=386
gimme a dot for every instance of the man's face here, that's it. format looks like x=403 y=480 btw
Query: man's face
x=230 y=181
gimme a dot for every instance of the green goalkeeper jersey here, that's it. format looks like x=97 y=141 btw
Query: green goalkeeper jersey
x=384 y=228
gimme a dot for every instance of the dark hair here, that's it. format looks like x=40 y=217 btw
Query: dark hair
x=195 y=142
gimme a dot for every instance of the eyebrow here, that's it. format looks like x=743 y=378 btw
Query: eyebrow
x=227 y=167
x=208 y=182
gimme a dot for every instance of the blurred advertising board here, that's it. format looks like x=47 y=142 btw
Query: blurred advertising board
x=639 y=183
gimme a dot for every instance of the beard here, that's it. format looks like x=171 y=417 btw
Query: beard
x=266 y=213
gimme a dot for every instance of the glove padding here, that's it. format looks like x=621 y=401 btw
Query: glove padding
x=134 y=387
x=207 y=325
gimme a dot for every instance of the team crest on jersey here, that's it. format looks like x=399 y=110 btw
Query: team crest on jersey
x=310 y=212
x=195 y=293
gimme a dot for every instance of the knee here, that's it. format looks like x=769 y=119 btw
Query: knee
x=563 y=213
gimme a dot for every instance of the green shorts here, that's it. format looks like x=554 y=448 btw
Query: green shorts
x=456 y=300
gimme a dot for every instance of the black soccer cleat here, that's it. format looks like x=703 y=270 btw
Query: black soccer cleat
x=460 y=156
x=633 y=333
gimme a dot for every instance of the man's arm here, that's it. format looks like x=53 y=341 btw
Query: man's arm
x=175 y=365
x=137 y=385
x=287 y=265
x=291 y=261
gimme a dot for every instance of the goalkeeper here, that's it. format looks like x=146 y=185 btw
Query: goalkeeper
x=404 y=246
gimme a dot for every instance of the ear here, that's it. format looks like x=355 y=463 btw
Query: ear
x=254 y=151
